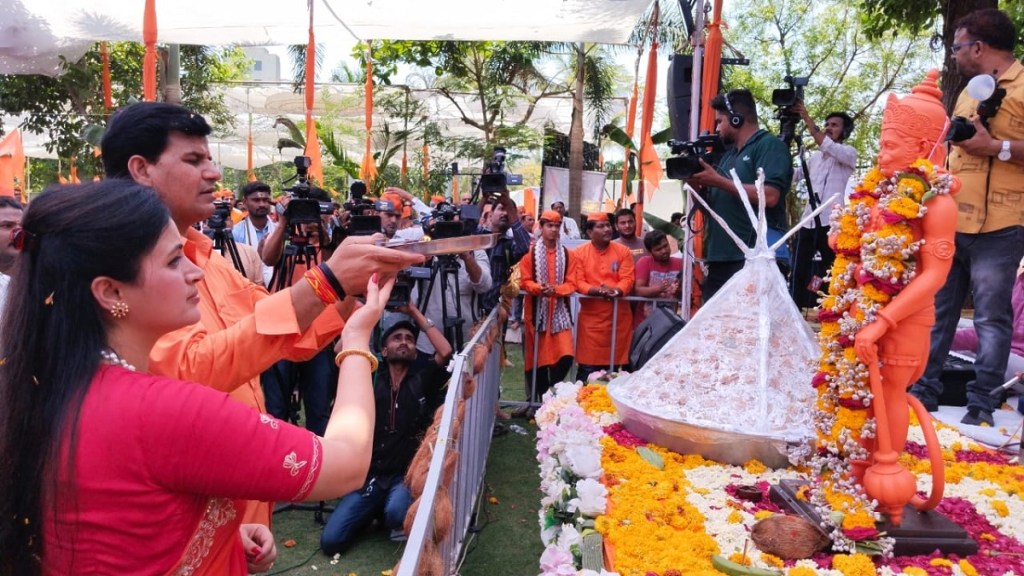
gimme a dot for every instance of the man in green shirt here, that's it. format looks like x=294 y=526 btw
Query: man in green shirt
x=748 y=147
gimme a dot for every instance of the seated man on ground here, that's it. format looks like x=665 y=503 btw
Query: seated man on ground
x=405 y=404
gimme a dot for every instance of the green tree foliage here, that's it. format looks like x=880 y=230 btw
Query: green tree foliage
x=62 y=107
x=822 y=40
x=496 y=77
x=936 y=18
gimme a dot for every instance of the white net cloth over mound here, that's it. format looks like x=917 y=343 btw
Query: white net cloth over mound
x=739 y=371
x=743 y=363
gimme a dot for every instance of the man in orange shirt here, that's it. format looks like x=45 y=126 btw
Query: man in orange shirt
x=606 y=272
x=547 y=275
x=242 y=329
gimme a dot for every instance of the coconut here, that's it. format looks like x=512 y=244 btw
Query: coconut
x=788 y=537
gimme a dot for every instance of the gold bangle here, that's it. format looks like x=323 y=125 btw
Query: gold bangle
x=353 y=351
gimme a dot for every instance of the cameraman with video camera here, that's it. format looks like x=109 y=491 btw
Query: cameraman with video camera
x=313 y=376
x=987 y=155
x=828 y=171
x=748 y=147
x=513 y=238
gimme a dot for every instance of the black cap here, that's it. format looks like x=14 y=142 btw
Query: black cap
x=401 y=321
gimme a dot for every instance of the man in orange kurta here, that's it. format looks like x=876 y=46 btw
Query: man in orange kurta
x=605 y=272
x=242 y=329
x=547 y=274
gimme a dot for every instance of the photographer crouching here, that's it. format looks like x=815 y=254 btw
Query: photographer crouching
x=827 y=172
x=747 y=148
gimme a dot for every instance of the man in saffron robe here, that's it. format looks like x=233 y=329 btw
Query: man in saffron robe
x=547 y=274
x=605 y=272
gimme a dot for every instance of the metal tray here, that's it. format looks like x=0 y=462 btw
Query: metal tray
x=455 y=245
x=723 y=446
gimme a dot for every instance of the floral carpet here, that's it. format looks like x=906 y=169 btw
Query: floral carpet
x=665 y=514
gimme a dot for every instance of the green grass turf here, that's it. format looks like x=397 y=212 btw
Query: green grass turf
x=505 y=541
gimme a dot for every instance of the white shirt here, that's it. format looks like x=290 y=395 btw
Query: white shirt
x=467 y=289
x=570 y=229
x=245 y=232
x=4 y=281
x=830 y=168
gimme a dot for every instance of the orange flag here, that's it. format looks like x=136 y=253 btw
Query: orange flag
x=316 y=164
x=630 y=125
x=650 y=164
x=368 y=170
x=12 y=164
x=108 y=98
x=712 y=68
x=149 y=60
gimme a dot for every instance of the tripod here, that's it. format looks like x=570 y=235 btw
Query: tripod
x=446 y=266
x=799 y=272
x=223 y=242
x=299 y=250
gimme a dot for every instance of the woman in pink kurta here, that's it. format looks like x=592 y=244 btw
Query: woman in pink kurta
x=106 y=469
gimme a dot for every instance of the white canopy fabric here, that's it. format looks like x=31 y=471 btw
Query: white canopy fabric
x=341 y=106
x=35 y=33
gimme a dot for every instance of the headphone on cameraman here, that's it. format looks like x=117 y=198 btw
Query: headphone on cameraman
x=735 y=120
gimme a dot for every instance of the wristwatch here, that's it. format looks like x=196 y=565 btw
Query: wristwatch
x=430 y=323
x=1004 y=152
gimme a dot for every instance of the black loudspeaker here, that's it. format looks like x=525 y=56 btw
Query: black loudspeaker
x=680 y=89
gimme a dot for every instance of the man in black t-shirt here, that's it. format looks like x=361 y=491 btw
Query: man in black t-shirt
x=406 y=401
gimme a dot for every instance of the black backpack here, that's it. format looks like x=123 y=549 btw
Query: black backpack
x=656 y=330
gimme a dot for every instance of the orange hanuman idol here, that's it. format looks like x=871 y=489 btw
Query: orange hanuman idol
x=895 y=242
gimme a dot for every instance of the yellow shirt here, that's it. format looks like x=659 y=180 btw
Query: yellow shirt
x=992 y=194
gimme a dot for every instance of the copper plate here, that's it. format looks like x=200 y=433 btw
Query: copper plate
x=455 y=245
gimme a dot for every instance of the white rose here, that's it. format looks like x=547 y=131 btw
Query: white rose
x=584 y=461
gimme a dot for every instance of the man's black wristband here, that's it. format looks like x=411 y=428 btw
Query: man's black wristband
x=332 y=280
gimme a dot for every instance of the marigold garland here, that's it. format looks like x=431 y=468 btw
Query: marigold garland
x=871 y=268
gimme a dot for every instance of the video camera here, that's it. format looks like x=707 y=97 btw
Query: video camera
x=401 y=292
x=686 y=163
x=493 y=179
x=961 y=128
x=301 y=208
x=360 y=223
x=443 y=224
x=784 y=99
x=221 y=214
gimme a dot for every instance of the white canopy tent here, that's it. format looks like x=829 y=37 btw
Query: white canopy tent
x=264 y=103
x=35 y=33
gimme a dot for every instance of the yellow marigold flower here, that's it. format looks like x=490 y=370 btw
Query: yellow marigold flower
x=915 y=571
x=987 y=492
x=595 y=399
x=854 y=565
x=801 y=492
x=923 y=165
x=968 y=568
x=802 y=571
x=734 y=517
x=1000 y=507
x=859 y=519
x=940 y=562
x=762 y=514
x=875 y=295
x=956 y=446
x=755 y=467
x=739 y=558
x=988 y=537
x=905 y=207
x=772 y=560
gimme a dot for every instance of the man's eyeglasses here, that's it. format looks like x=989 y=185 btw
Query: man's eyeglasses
x=956 y=47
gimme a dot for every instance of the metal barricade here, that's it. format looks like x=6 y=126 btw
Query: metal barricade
x=473 y=444
x=574 y=307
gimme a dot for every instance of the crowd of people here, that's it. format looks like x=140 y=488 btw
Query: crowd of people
x=126 y=330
